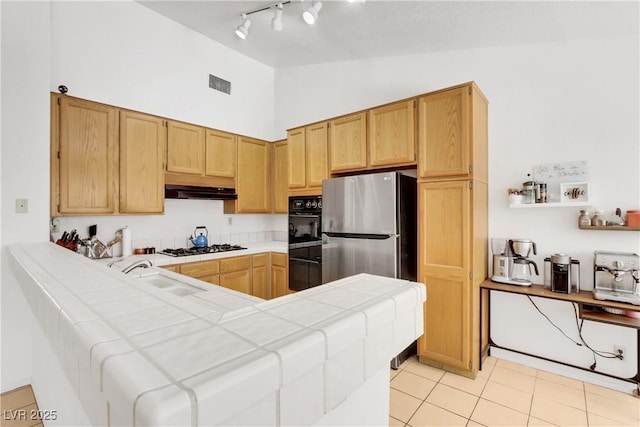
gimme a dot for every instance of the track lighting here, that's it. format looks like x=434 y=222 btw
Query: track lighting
x=311 y=15
x=276 y=22
x=242 y=30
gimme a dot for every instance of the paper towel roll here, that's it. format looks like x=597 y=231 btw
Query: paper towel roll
x=126 y=241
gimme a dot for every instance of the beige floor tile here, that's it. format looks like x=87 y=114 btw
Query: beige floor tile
x=453 y=400
x=517 y=367
x=513 y=379
x=507 y=396
x=610 y=393
x=620 y=409
x=473 y=386
x=487 y=366
x=536 y=422
x=431 y=415
x=395 y=423
x=559 y=379
x=560 y=393
x=557 y=413
x=402 y=406
x=393 y=373
x=492 y=414
x=413 y=384
x=472 y=423
x=423 y=370
x=598 y=421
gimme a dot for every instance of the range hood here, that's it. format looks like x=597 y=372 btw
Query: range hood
x=172 y=191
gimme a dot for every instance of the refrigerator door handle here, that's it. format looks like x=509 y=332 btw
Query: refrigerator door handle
x=360 y=235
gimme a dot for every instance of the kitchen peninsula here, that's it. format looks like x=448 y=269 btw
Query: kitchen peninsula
x=138 y=354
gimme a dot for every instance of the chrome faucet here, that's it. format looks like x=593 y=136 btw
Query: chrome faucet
x=143 y=263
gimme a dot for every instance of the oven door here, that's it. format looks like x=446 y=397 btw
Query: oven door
x=305 y=268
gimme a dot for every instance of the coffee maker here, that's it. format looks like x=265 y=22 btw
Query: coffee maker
x=511 y=263
x=616 y=277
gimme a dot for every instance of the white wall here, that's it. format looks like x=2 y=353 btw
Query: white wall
x=25 y=166
x=549 y=103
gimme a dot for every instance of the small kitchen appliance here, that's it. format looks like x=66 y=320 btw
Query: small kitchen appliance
x=511 y=263
x=561 y=273
x=616 y=276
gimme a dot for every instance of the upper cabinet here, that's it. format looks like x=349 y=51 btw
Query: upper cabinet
x=348 y=136
x=185 y=148
x=447 y=122
x=142 y=147
x=389 y=142
x=253 y=182
x=392 y=139
x=280 y=167
x=220 y=149
x=307 y=158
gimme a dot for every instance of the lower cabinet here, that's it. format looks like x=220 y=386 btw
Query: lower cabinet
x=262 y=275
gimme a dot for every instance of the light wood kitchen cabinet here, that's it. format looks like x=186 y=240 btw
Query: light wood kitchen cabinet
x=84 y=157
x=175 y=268
x=307 y=159
x=253 y=182
x=142 y=150
x=260 y=277
x=348 y=143
x=392 y=139
x=453 y=235
x=448 y=122
x=185 y=148
x=220 y=154
x=235 y=273
x=207 y=271
x=279 y=275
x=280 y=169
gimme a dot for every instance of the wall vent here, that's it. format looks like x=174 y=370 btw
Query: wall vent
x=219 y=84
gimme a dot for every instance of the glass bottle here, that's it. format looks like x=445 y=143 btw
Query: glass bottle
x=597 y=219
x=584 y=219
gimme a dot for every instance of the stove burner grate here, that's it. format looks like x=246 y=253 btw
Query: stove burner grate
x=201 y=251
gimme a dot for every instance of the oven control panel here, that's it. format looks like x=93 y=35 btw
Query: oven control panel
x=305 y=205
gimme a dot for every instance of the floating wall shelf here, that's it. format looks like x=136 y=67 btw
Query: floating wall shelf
x=609 y=227
x=549 y=205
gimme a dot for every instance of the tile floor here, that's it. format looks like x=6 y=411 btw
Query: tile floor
x=503 y=394
x=19 y=408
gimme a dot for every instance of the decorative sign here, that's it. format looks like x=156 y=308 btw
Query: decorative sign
x=555 y=174
x=574 y=192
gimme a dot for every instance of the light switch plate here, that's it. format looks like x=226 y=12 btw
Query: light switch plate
x=22 y=205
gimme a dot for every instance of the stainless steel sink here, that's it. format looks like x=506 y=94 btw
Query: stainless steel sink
x=169 y=284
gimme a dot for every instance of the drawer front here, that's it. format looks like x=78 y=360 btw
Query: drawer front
x=201 y=268
x=174 y=268
x=278 y=259
x=238 y=281
x=260 y=260
x=235 y=264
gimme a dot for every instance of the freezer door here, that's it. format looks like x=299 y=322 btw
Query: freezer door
x=360 y=204
x=346 y=256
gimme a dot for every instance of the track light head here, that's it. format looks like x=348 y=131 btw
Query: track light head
x=310 y=15
x=242 y=30
x=276 y=22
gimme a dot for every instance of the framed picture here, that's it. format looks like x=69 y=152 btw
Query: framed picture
x=574 y=192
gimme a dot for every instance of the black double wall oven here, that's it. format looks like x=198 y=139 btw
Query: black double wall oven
x=305 y=242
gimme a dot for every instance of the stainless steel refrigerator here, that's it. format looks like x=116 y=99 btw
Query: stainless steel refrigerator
x=369 y=225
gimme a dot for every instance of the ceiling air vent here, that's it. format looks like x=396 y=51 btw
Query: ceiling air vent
x=219 y=84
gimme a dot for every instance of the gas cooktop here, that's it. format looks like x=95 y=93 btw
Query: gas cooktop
x=201 y=251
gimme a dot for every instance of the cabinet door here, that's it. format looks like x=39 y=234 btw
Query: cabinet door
x=238 y=281
x=444 y=255
x=443 y=133
x=348 y=143
x=88 y=157
x=280 y=183
x=279 y=275
x=316 y=155
x=185 y=148
x=260 y=282
x=391 y=135
x=142 y=148
x=253 y=181
x=220 y=154
x=297 y=158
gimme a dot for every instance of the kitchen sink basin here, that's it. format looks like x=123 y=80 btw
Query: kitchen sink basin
x=170 y=284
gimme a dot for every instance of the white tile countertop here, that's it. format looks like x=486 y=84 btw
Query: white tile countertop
x=138 y=354
x=159 y=259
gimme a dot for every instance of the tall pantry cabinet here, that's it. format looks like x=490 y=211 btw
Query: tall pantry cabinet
x=452 y=224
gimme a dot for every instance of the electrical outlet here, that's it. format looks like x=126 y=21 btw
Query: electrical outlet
x=22 y=205
x=618 y=349
x=230 y=219
x=55 y=225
